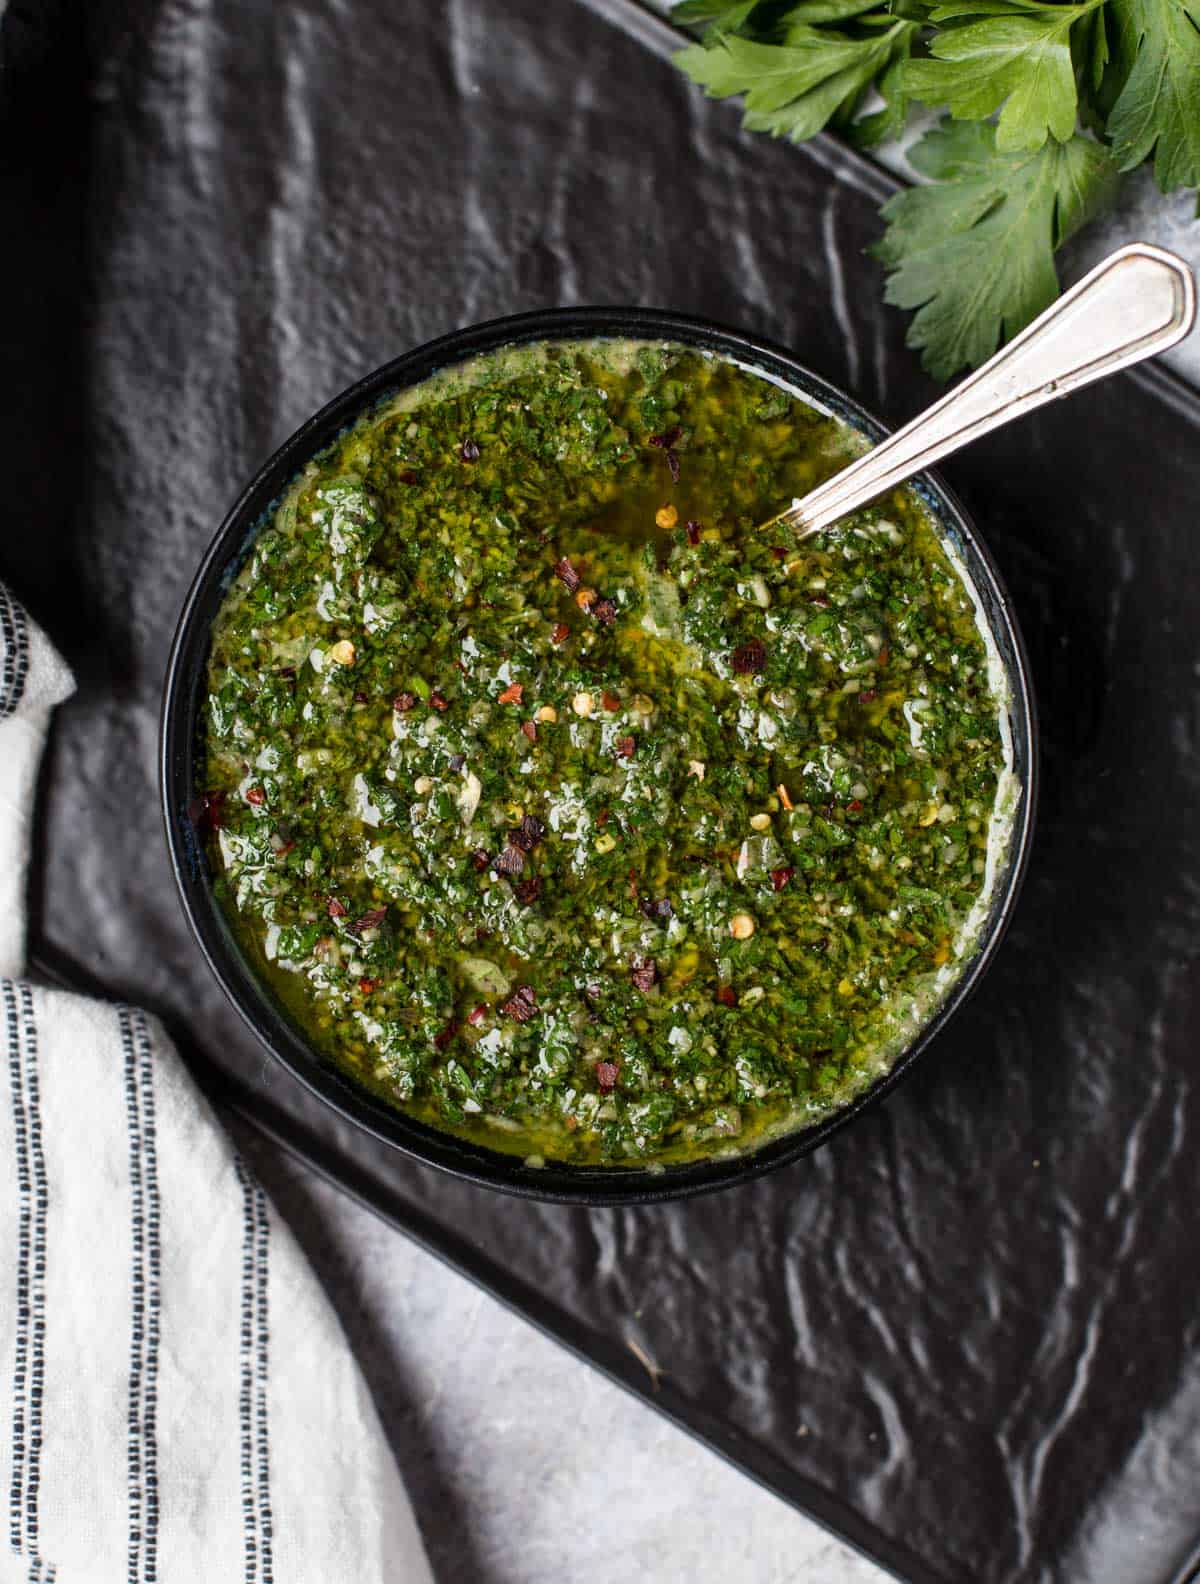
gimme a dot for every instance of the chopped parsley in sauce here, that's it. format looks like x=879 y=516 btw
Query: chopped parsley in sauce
x=567 y=811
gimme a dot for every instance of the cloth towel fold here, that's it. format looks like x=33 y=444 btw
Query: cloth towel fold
x=177 y=1400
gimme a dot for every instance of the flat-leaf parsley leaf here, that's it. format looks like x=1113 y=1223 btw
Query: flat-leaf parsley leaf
x=795 y=88
x=1158 y=109
x=973 y=252
x=1014 y=54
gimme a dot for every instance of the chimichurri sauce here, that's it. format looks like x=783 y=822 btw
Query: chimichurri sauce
x=568 y=812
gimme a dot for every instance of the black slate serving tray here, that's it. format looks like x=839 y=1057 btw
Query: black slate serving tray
x=965 y=1334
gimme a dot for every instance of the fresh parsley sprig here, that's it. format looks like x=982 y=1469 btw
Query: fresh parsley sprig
x=1011 y=56
x=1048 y=101
x=1155 y=71
x=813 y=75
x=973 y=251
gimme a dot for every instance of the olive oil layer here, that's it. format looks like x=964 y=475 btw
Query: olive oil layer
x=567 y=811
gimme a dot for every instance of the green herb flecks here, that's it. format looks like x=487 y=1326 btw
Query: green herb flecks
x=566 y=811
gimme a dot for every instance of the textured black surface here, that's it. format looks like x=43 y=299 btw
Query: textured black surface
x=966 y=1331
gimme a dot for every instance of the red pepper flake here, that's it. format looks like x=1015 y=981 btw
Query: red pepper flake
x=510 y=862
x=566 y=573
x=670 y=437
x=644 y=973
x=282 y=852
x=512 y=694
x=439 y=702
x=884 y=655
x=610 y=701
x=867 y=696
x=673 y=465
x=480 y=859
x=256 y=795
x=368 y=985
x=625 y=747
x=605 y=612
x=469 y=451
x=778 y=552
x=780 y=877
x=560 y=633
x=602 y=819
x=820 y=599
x=476 y=1016
x=855 y=806
x=633 y=885
x=447 y=1034
x=522 y=1004
x=205 y=811
x=403 y=702
x=727 y=996
x=528 y=891
x=530 y=730
x=528 y=833
x=407 y=477
x=369 y=920
x=336 y=909
x=749 y=657
x=607 y=1074
x=692 y=529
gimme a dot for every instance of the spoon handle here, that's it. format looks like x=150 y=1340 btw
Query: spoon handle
x=1139 y=301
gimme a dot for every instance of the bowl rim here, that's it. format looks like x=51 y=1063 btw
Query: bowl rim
x=180 y=720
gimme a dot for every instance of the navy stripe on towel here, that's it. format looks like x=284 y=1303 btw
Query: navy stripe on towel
x=254 y=1362
x=14 y=664
x=261 y=1366
x=142 y=1447
x=37 y=1293
x=246 y=1363
x=33 y=1206
x=20 y=1388
x=145 y=1082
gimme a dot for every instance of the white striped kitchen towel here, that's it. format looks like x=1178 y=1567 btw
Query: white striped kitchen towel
x=177 y=1400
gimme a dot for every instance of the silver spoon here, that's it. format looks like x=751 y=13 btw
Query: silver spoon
x=1137 y=303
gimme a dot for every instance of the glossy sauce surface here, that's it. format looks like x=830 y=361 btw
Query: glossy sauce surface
x=568 y=812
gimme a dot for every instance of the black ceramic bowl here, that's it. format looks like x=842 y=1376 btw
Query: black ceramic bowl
x=181 y=746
